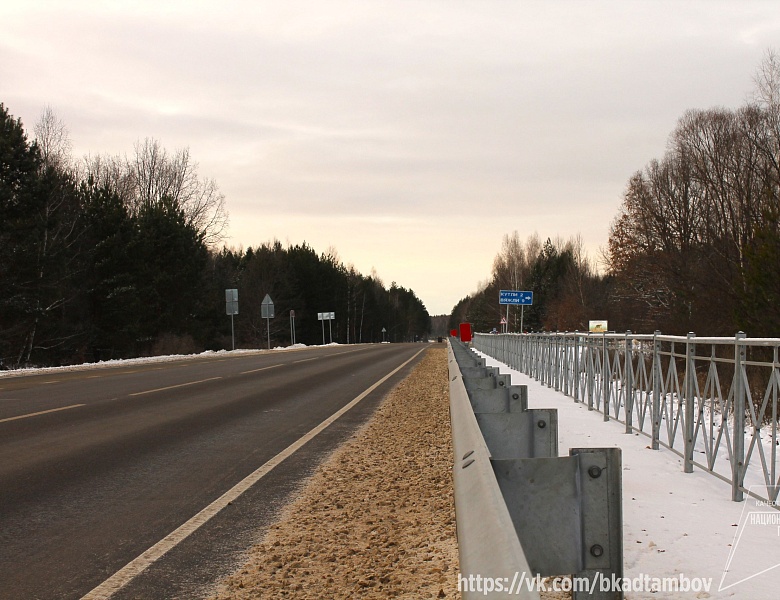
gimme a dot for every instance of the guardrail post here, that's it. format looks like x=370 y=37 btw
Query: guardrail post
x=568 y=513
x=690 y=379
x=738 y=459
x=628 y=384
x=656 y=391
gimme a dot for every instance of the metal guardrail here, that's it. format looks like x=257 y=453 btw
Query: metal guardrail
x=521 y=510
x=713 y=401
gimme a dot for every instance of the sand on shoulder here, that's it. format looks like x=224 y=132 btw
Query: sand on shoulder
x=377 y=519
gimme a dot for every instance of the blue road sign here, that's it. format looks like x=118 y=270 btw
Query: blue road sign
x=515 y=297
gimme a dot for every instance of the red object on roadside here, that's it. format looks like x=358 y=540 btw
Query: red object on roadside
x=454 y=332
x=465 y=332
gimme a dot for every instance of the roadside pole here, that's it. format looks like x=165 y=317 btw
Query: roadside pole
x=267 y=313
x=231 y=308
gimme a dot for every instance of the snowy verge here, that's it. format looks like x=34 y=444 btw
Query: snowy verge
x=148 y=359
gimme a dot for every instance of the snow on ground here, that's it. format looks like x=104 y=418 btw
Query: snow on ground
x=675 y=524
x=149 y=359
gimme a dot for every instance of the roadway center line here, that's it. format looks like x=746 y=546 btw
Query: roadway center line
x=347 y=352
x=42 y=412
x=170 y=387
x=262 y=369
x=306 y=359
x=137 y=566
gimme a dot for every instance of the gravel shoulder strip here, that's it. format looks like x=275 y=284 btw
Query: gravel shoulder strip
x=377 y=519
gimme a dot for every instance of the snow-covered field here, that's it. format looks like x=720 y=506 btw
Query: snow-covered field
x=150 y=359
x=675 y=525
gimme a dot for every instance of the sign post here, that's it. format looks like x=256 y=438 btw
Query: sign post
x=231 y=308
x=292 y=327
x=517 y=298
x=326 y=316
x=267 y=313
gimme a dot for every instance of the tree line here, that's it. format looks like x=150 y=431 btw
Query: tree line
x=695 y=245
x=118 y=256
x=568 y=290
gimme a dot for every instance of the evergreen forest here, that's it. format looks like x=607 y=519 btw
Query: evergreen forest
x=117 y=257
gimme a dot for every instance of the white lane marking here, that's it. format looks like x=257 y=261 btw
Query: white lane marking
x=42 y=412
x=170 y=387
x=262 y=369
x=306 y=359
x=137 y=566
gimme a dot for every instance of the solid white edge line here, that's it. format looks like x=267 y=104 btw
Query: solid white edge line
x=137 y=566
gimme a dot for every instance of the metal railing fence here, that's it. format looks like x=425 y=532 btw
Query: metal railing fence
x=712 y=400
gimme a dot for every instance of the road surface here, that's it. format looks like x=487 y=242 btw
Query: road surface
x=97 y=466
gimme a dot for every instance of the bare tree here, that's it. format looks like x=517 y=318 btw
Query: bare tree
x=53 y=139
x=767 y=81
x=104 y=170
x=153 y=174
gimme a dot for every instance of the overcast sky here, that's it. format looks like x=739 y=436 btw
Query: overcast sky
x=410 y=136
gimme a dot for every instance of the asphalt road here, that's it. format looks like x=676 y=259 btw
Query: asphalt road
x=97 y=466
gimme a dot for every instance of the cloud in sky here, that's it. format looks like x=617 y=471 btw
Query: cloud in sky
x=408 y=135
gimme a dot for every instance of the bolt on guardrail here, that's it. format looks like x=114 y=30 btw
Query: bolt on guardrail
x=566 y=512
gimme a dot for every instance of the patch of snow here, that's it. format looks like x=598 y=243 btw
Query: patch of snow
x=145 y=360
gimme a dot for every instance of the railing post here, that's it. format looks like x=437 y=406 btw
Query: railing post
x=591 y=381
x=738 y=460
x=576 y=360
x=550 y=360
x=605 y=377
x=628 y=385
x=656 y=390
x=557 y=363
x=565 y=364
x=690 y=378
x=521 y=349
